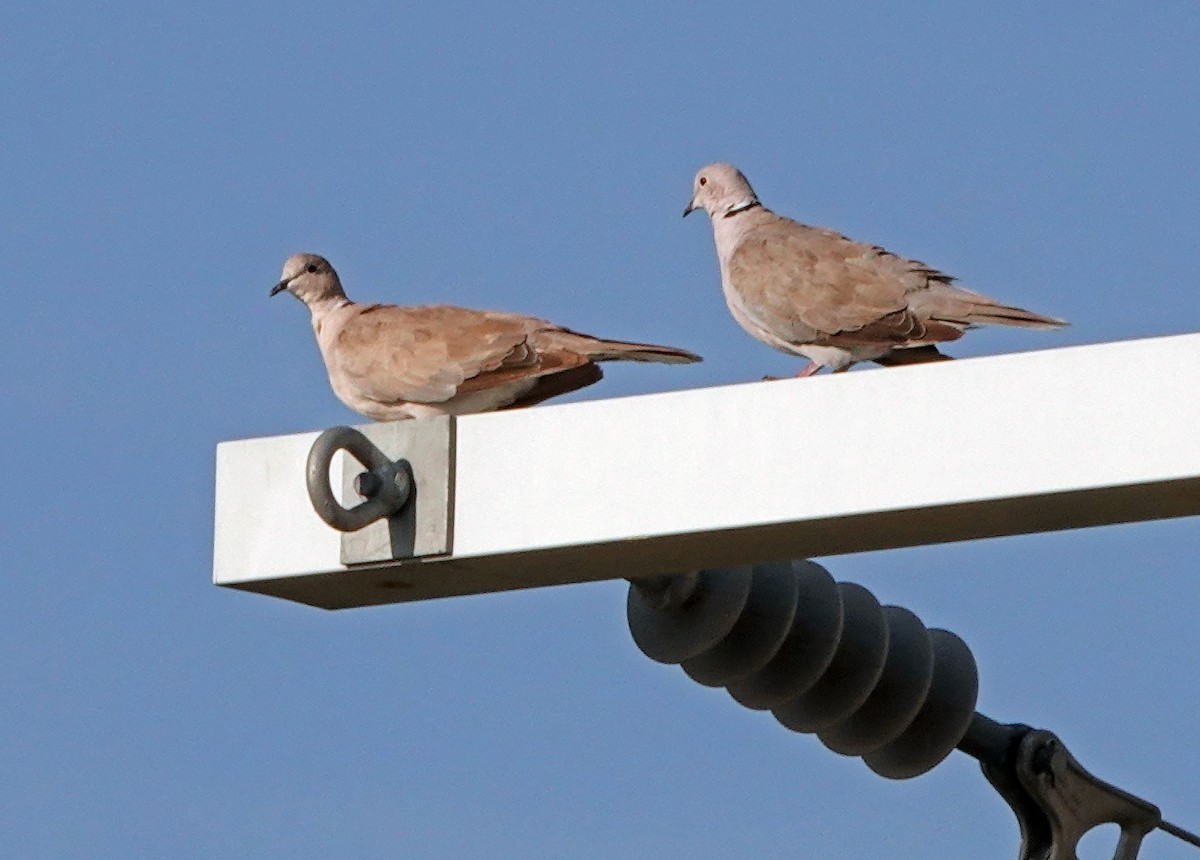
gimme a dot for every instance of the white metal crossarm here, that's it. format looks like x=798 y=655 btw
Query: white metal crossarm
x=1005 y=445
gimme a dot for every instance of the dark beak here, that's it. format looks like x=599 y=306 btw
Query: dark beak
x=279 y=288
x=691 y=207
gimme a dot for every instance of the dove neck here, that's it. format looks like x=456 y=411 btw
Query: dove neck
x=729 y=229
x=323 y=307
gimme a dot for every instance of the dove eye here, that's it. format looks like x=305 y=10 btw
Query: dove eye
x=312 y=267
x=703 y=180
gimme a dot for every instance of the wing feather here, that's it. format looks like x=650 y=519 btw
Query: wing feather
x=811 y=285
x=427 y=354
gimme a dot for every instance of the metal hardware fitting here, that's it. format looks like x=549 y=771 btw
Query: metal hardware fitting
x=407 y=488
x=386 y=485
x=1055 y=799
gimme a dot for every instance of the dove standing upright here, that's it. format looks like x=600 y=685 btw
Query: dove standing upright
x=388 y=362
x=811 y=291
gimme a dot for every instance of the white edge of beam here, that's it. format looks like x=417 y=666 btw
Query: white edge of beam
x=872 y=459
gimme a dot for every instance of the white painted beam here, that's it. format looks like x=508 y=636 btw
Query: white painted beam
x=867 y=460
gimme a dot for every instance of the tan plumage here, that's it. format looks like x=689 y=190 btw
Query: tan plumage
x=813 y=292
x=389 y=362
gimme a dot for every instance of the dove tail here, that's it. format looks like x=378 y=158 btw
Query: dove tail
x=620 y=350
x=1004 y=315
x=961 y=308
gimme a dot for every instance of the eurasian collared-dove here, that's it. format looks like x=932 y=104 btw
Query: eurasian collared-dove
x=388 y=362
x=810 y=291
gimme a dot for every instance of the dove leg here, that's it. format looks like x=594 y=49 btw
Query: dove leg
x=810 y=369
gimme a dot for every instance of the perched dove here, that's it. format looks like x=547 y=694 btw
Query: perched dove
x=812 y=292
x=388 y=362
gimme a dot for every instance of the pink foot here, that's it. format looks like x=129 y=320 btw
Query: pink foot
x=809 y=369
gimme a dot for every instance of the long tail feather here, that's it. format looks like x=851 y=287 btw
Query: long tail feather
x=620 y=350
x=1004 y=315
x=955 y=306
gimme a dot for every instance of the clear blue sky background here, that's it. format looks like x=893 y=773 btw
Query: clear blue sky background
x=159 y=161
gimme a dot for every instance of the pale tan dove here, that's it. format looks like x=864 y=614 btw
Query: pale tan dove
x=388 y=362
x=810 y=291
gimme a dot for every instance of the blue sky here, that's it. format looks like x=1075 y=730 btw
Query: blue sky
x=160 y=161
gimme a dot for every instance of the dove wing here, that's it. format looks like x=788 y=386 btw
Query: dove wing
x=811 y=285
x=429 y=354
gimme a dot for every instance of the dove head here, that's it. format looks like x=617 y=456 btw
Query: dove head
x=310 y=279
x=721 y=190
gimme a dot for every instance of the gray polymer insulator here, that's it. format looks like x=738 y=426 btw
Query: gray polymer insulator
x=823 y=657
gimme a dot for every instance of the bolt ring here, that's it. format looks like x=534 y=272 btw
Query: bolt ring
x=387 y=485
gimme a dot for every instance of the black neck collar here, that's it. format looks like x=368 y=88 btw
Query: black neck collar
x=743 y=207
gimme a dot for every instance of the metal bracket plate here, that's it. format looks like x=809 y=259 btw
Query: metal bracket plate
x=423 y=526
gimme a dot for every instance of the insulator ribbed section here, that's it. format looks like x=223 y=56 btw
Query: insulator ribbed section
x=823 y=657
